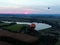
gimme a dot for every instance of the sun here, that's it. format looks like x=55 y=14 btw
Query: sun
x=26 y=12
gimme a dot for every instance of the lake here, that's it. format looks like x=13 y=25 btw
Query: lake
x=39 y=26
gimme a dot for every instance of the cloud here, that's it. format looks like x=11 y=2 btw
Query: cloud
x=33 y=6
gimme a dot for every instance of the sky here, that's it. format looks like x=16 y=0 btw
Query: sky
x=30 y=6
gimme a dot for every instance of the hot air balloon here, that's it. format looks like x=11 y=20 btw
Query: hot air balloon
x=48 y=7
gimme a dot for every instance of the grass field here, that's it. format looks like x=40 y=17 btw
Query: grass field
x=1 y=24
x=15 y=27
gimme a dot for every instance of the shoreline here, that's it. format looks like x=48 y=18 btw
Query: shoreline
x=38 y=25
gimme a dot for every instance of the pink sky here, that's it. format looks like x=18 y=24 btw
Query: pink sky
x=30 y=6
x=16 y=10
x=28 y=10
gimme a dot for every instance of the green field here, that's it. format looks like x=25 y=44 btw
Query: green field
x=15 y=27
x=1 y=24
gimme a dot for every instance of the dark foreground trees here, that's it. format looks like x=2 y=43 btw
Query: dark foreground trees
x=47 y=40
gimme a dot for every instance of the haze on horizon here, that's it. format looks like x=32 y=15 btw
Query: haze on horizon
x=30 y=6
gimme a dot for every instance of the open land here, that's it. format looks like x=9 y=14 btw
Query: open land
x=54 y=31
